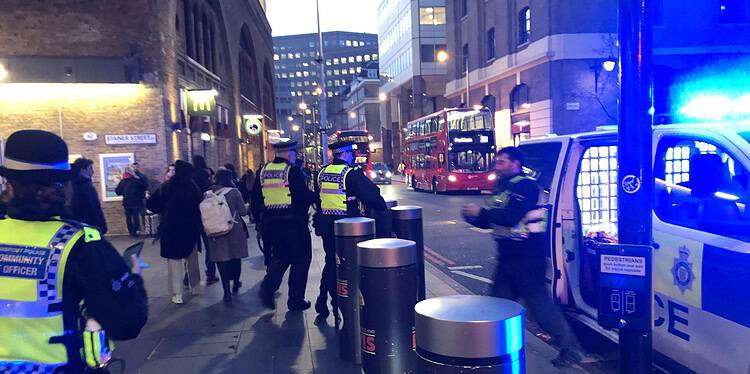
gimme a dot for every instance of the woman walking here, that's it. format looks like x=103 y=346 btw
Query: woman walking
x=180 y=230
x=228 y=250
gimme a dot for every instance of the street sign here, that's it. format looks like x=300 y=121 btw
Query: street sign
x=624 y=286
x=253 y=123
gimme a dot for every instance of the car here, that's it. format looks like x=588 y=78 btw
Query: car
x=380 y=173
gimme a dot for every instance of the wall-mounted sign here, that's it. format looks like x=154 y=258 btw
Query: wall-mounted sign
x=112 y=166
x=463 y=140
x=90 y=136
x=201 y=102
x=573 y=105
x=130 y=139
x=253 y=123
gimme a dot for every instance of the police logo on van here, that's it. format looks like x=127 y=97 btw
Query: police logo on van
x=682 y=271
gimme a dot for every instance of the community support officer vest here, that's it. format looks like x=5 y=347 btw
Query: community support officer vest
x=533 y=222
x=274 y=180
x=334 y=200
x=33 y=255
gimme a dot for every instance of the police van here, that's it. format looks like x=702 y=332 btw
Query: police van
x=701 y=231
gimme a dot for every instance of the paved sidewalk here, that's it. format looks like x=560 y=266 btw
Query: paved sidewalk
x=205 y=336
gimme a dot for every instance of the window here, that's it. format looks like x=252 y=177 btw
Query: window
x=490 y=44
x=335 y=61
x=367 y=57
x=732 y=11
x=524 y=26
x=465 y=54
x=432 y=16
x=519 y=98
x=596 y=190
x=464 y=8
x=351 y=59
x=276 y=57
x=359 y=58
x=699 y=185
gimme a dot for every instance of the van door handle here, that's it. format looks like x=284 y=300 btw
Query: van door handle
x=570 y=256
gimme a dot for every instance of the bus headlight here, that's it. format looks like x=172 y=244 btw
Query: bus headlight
x=491 y=177
x=452 y=178
x=388 y=174
x=373 y=174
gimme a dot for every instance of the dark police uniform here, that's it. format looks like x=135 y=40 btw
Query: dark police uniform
x=519 y=229
x=342 y=189
x=51 y=269
x=281 y=200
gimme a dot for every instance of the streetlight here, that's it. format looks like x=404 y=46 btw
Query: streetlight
x=303 y=105
x=290 y=118
x=383 y=97
x=295 y=128
x=443 y=56
x=352 y=115
x=609 y=64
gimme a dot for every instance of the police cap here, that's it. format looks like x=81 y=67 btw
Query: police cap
x=285 y=145
x=342 y=146
x=35 y=156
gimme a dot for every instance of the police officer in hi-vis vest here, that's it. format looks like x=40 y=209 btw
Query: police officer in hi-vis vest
x=281 y=200
x=342 y=187
x=519 y=228
x=62 y=286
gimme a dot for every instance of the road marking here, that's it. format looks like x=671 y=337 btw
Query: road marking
x=472 y=276
x=439 y=256
x=434 y=259
x=483 y=231
x=467 y=267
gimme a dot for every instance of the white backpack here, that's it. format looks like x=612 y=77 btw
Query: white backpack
x=215 y=213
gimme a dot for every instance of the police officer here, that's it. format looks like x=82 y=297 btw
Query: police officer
x=519 y=227
x=281 y=199
x=342 y=187
x=59 y=280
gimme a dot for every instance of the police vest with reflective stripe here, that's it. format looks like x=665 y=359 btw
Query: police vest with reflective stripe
x=274 y=180
x=333 y=197
x=33 y=256
x=533 y=222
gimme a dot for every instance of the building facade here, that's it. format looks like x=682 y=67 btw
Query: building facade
x=363 y=107
x=139 y=80
x=297 y=69
x=411 y=33
x=545 y=67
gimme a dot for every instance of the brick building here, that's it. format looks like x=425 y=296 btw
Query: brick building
x=114 y=78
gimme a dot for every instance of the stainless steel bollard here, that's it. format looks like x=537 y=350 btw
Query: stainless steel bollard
x=470 y=334
x=388 y=286
x=349 y=232
x=407 y=224
x=391 y=203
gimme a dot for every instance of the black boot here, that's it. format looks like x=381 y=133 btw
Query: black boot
x=227 y=293
x=236 y=286
x=320 y=306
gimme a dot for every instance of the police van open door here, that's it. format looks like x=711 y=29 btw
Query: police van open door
x=701 y=232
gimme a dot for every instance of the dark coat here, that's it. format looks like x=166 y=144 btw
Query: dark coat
x=202 y=178
x=177 y=201
x=85 y=206
x=133 y=191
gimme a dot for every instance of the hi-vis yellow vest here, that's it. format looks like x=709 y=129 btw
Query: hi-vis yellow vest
x=33 y=256
x=533 y=222
x=274 y=180
x=332 y=182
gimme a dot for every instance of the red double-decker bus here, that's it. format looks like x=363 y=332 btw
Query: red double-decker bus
x=451 y=150
x=362 y=139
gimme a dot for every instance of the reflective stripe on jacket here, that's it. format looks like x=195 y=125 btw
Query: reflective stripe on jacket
x=533 y=222
x=274 y=182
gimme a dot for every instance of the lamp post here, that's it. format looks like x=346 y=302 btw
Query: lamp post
x=443 y=56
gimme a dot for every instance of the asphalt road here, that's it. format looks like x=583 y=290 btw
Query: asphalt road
x=467 y=255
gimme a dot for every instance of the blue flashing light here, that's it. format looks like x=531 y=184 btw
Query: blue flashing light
x=716 y=92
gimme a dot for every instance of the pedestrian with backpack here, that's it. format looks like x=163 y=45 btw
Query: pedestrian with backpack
x=222 y=210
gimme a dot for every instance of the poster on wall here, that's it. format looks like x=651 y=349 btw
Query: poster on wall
x=112 y=165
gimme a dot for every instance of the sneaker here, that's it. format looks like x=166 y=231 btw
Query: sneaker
x=177 y=299
x=299 y=306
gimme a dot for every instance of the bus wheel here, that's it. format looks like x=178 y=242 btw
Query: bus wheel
x=434 y=186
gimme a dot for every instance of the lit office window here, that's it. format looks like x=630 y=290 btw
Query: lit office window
x=351 y=59
x=335 y=71
x=305 y=64
x=294 y=93
x=367 y=57
x=290 y=56
x=359 y=69
x=352 y=70
x=276 y=57
x=432 y=16
x=524 y=25
x=348 y=43
x=328 y=62
x=284 y=75
x=297 y=55
x=335 y=61
x=374 y=56
x=298 y=74
x=359 y=58
x=307 y=83
x=732 y=11
x=330 y=94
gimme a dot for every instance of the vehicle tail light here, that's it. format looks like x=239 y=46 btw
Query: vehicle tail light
x=452 y=178
x=491 y=177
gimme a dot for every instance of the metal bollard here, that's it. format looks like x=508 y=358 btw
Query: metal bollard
x=388 y=287
x=384 y=220
x=349 y=232
x=407 y=224
x=470 y=334
x=391 y=203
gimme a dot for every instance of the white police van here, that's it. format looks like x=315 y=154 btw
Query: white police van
x=701 y=230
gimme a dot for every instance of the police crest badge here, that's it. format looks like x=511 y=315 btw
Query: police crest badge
x=682 y=271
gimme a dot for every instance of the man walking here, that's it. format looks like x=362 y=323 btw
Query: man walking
x=281 y=199
x=342 y=186
x=85 y=206
x=519 y=227
x=132 y=188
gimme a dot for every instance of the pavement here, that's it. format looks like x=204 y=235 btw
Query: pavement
x=206 y=336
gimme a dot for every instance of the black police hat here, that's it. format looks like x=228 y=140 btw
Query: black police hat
x=285 y=145
x=35 y=156
x=343 y=146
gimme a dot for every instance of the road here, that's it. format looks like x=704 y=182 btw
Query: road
x=467 y=255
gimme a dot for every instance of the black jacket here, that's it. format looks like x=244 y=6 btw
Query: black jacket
x=85 y=206
x=133 y=191
x=302 y=197
x=96 y=274
x=202 y=178
x=176 y=201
